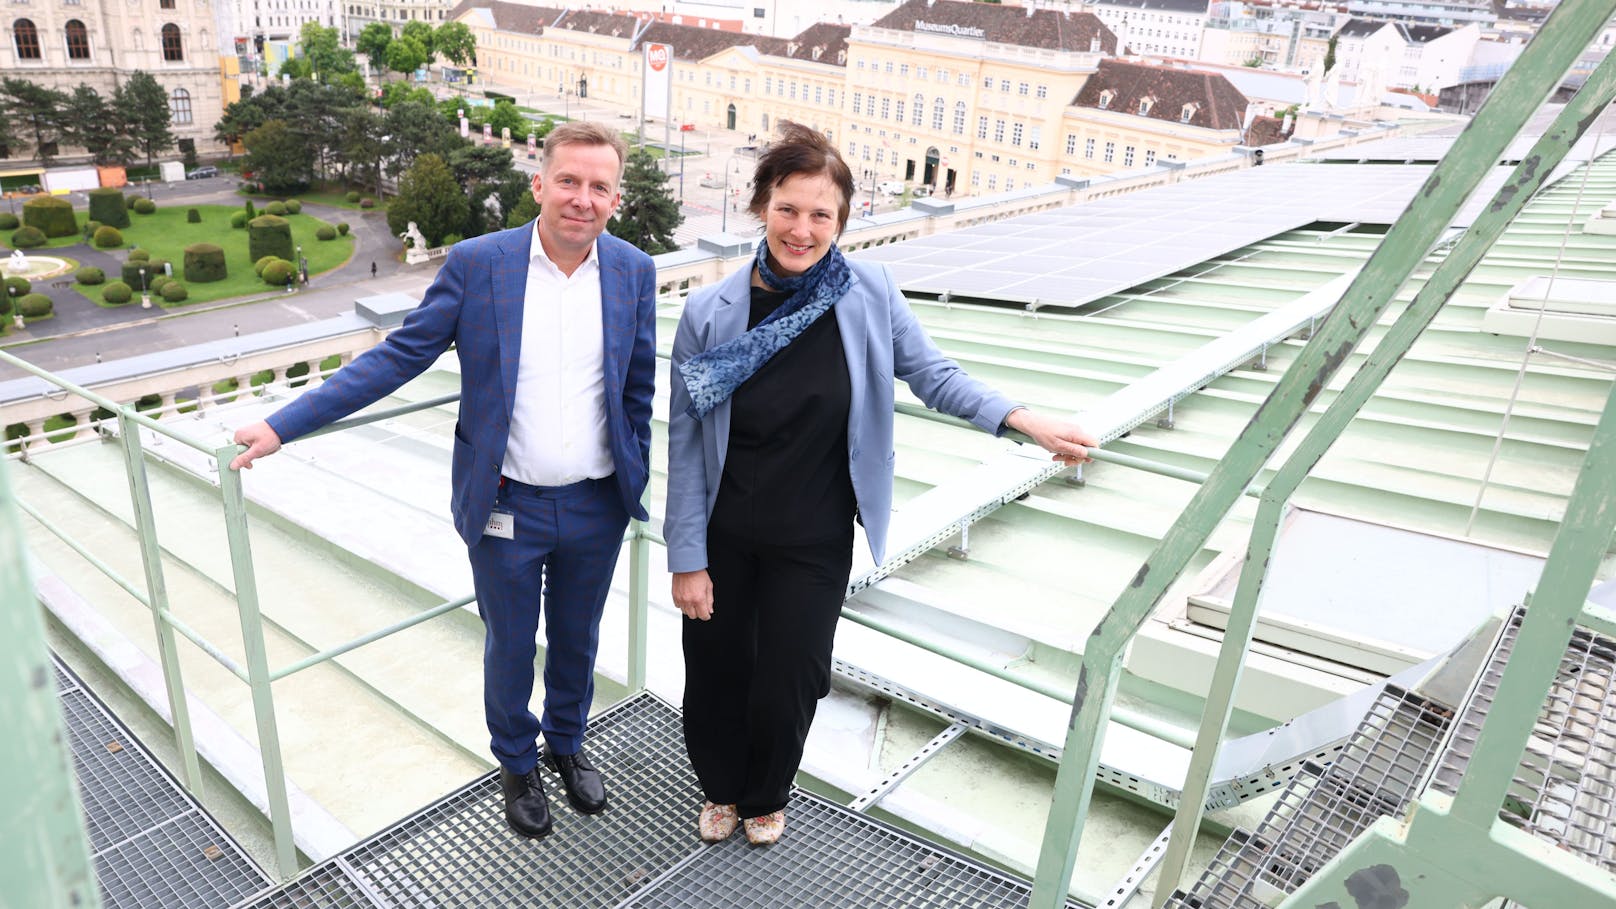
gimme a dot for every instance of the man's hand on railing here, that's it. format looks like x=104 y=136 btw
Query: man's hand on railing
x=1067 y=441
x=693 y=593
x=261 y=440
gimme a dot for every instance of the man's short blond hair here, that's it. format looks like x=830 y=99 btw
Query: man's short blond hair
x=582 y=132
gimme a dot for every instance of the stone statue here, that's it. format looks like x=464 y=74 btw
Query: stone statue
x=412 y=237
x=18 y=263
x=495 y=213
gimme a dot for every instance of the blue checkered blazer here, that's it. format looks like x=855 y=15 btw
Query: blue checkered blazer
x=476 y=304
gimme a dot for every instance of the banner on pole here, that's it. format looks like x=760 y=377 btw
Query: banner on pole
x=655 y=99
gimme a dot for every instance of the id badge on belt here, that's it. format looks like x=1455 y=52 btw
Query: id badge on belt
x=501 y=525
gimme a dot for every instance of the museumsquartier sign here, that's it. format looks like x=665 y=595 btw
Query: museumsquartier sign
x=958 y=31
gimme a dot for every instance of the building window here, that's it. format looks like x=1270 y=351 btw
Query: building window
x=819 y=94
x=981 y=127
x=1004 y=86
x=768 y=85
x=173 y=50
x=1016 y=132
x=1110 y=151
x=793 y=91
x=1022 y=89
x=179 y=106
x=27 y=38
x=1009 y=183
x=976 y=178
x=903 y=70
x=1043 y=91
x=1187 y=113
x=1036 y=137
x=886 y=108
x=830 y=97
x=937 y=114
x=959 y=118
x=1105 y=98
x=1144 y=107
x=78 y=40
x=165 y=4
x=998 y=130
x=1071 y=144
x=1127 y=156
x=993 y=182
x=942 y=75
x=964 y=79
x=1150 y=157
x=900 y=110
x=889 y=67
x=920 y=108
x=858 y=103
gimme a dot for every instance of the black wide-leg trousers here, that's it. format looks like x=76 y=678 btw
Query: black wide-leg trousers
x=755 y=671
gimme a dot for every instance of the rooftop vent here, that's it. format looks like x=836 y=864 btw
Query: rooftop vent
x=1573 y=309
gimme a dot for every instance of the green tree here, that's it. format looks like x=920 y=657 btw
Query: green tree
x=143 y=105
x=1329 y=55
x=476 y=164
x=429 y=196
x=648 y=214
x=396 y=93
x=322 y=48
x=360 y=147
x=527 y=208
x=492 y=201
x=372 y=42
x=455 y=43
x=414 y=129
x=406 y=55
x=295 y=68
x=278 y=157
x=506 y=116
x=423 y=33
x=36 y=111
x=89 y=122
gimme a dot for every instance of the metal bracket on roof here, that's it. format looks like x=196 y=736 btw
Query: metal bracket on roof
x=907 y=769
x=1075 y=477
x=963 y=550
x=1261 y=363
x=1165 y=421
x=1130 y=882
x=945 y=298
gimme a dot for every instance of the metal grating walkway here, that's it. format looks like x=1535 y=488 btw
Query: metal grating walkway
x=152 y=845
x=1565 y=789
x=1323 y=809
x=642 y=853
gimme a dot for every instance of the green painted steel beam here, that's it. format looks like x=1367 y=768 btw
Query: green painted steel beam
x=1523 y=183
x=252 y=637
x=378 y=416
x=1538 y=70
x=44 y=854
x=371 y=637
x=639 y=605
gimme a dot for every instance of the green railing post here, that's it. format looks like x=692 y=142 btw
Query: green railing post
x=151 y=559
x=639 y=604
x=44 y=854
x=1563 y=36
x=1523 y=184
x=252 y=638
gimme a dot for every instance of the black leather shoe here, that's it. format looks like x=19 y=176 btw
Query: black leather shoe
x=586 y=791
x=526 y=808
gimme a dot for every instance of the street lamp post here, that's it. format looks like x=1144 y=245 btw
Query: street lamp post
x=145 y=298
x=16 y=316
x=723 y=207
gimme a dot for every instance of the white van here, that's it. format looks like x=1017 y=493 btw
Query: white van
x=890 y=187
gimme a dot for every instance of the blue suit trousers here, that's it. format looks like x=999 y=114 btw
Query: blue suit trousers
x=566 y=543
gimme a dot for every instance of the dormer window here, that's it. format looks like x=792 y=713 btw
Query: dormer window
x=1094 y=44
x=841 y=58
x=791 y=49
x=1188 y=112
x=819 y=49
x=1105 y=99
x=1144 y=106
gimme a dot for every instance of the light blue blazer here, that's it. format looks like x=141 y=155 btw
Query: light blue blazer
x=881 y=339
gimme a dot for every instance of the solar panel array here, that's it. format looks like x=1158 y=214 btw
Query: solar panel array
x=1075 y=255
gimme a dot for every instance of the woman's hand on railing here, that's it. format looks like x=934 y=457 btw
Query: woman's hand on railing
x=1067 y=441
x=693 y=594
x=261 y=440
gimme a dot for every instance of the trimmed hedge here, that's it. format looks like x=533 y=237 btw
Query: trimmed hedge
x=353 y=196
x=293 y=206
x=204 y=262
x=342 y=228
x=279 y=273
x=28 y=238
x=155 y=284
x=54 y=217
x=367 y=202
x=145 y=206
x=269 y=236
x=107 y=237
x=117 y=292
x=275 y=208
x=192 y=216
x=175 y=292
x=5 y=304
x=33 y=306
x=17 y=286
x=107 y=206
x=325 y=233
x=129 y=202
x=258 y=267
x=238 y=220
x=139 y=255
x=131 y=271
x=89 y=274
x=8 y=221
x=251 y=212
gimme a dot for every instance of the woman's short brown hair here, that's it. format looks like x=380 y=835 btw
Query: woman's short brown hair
x=800 y=151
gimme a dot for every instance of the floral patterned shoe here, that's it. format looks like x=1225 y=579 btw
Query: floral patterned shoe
x=765 y=830
x=717 y=822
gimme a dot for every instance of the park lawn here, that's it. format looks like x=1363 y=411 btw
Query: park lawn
x=52 y=243
x=166 y=233
x=336 y=198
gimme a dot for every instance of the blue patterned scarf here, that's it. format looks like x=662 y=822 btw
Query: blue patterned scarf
x=713 y=375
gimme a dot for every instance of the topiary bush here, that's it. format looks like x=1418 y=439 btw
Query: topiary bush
x=17 y=286
x=192 y=216
x=353 y=195
x=130 y=272
x=107 y=206
x=129 y=202
x=54 y=217
x=279 y=273
x=107 y=237
x=154 y=283
x=342 y=228
x=8 y=221
x=325 y=233
x=367 y=202
x=145 y=206
x=293 y=207
x=275 y=208
x=89 y=274
x=204 y=262
x=269 y=236
x=251 y=212
x=5 y=304
x=175 y=292
x=139 y=255
x=28 y=238
x=238 y=220
x=118 y=292
x=33 y=306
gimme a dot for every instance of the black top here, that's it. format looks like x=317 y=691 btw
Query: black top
x=786 y=477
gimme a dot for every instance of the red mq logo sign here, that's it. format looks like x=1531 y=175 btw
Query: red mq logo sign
x=657 y=54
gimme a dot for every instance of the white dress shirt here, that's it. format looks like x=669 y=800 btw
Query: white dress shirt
x=558 y=427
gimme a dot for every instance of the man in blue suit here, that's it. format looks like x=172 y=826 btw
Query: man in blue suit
x=554 y=324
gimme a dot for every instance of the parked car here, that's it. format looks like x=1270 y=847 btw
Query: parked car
x=202 y=173
x=890 y=187
x=921 y=191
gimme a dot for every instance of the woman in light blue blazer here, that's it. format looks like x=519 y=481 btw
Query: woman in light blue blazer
x=780 y=431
